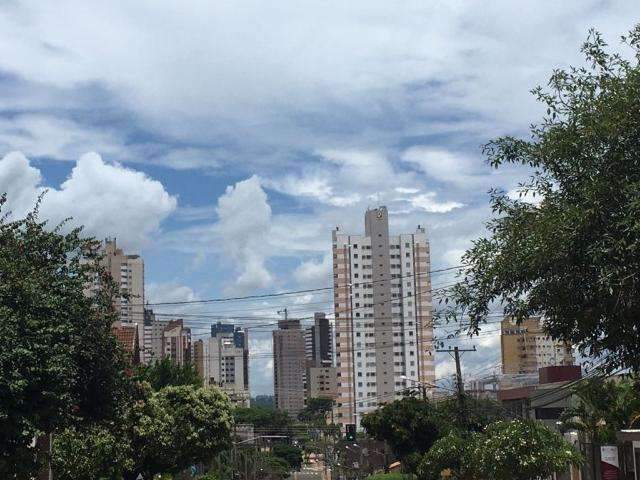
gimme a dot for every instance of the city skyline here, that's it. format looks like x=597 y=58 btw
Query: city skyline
x=225 y=163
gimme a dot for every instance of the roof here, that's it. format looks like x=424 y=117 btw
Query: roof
x=127 y=336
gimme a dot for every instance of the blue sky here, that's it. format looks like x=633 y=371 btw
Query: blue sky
x=224 y=140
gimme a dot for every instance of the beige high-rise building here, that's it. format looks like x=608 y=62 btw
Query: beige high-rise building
x=289 y=366
x=383 y=315
x=527 y=348
x=176 y=342
x=222 y=360
x=127 y=271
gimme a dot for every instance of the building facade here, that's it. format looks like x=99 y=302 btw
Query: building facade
x=526 y=348
x=223 y=360
x=289 y=366
x=176 y=342
x=383 y=315
x=320 y=378
x=153 y=345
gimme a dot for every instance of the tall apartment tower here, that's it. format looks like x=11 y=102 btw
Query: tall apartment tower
x=127 y=271
x=289 y=366
x=320 y=376
x=318 y=341
x=526 y=348
x=383 y=315
x=176 y=342
x=223 y=360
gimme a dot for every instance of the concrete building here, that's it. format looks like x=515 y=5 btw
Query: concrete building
x=383 y=315
x=320 y=378
x=289 y=366
x=223 y=360
x=127 y=271
x=318 y=341
x=526 y=348
x=176 y=342
x=153 y=346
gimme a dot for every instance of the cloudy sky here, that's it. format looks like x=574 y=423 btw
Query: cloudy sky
x=224 y=140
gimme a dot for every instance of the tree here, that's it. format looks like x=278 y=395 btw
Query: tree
x=478 y=414
x=265 y=419
x=289 y=453
x=449 y=453
x=89 y=453
x=410 y=426
x=522 y=449
x=179 y=426
x=572 y=254
x=59 y=362
x=165 y=372
x=602 y=408
x=316 y=411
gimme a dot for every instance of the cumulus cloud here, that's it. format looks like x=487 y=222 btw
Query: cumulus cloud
x=427 y=202
x=107 y=199
x=313 y=273
x=243 y=227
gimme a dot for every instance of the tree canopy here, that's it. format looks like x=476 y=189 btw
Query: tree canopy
x=59 y=362
x=166 y=372
x=522 y=449
x=572 y=254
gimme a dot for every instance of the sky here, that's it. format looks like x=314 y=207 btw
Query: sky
x=223 y=141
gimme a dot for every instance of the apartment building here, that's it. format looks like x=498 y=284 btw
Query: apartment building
x=176 y=342
x=289 y=366
x=223 y=360
x=320 y=378
x=383 y=315
x=526 y=348
x=153 y=345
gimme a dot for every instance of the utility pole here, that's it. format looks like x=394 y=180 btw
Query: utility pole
x=460 y=386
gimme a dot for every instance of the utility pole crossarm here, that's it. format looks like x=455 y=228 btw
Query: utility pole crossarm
x=460 y=385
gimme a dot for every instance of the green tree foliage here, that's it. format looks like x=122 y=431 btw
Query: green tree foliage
x=410 y=426
x=89 y=453
x=165 y=372
x=161 y=432
x=289 y=453
x=478 y=413
x=522 y=449
x=59 y=362
x=449 y=453
x=316 y=411
x=572 y=257
x=603 y=407
x=265 y=419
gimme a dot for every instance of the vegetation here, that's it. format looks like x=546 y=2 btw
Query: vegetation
x=167 y=431
x=59 y=362
x=165 y=372
x=291 y=454
x=268 y=420
x=571 y=255
x=411 y=426
x=522 y=449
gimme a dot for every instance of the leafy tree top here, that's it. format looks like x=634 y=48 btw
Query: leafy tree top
x=572 y=257
x=166 y=372
x=59 y=362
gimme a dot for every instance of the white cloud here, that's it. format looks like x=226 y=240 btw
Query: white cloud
x=313 y=273
x=108 y=200
x=445 y=166
x=428 y=203
x=243 y=227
